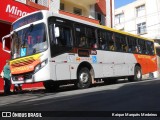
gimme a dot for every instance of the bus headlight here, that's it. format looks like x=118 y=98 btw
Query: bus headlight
x=37 y=68
x=41 y=65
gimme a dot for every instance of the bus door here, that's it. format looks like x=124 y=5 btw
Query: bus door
x=61 y=45
x=64 y=42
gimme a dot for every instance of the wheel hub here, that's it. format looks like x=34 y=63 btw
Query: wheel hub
x=84 y=77
x=138 y=74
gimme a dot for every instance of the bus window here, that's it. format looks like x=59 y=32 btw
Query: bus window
x=52 y=35
x=124 y=44
x=142 y=46
x=90 y=34
x=85 y=36
x=81 y=39
x=60 y=37
x=64 y=38
x=111 y=41
x=132 y=45
x=16 y=40
x=120 y=42
x=102 y=41
x=83 y=42
x=150 y=47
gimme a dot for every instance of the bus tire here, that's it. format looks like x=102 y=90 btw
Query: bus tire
x=137 y=74
x=50 y=85
x=84 y=78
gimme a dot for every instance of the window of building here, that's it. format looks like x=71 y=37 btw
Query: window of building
x=140 y=10
x=141 y=28
x=119 y=18
x=22 y=1
x=101 y=18
x=77 y=11
x=36 y=1
x=41 y=2
x=61 y=6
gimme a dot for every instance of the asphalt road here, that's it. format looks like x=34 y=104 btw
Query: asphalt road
x=124 y=96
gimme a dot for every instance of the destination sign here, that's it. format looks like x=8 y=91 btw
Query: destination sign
x=28 y=19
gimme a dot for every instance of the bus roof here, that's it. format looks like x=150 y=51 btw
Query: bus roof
x=49 y=13
x=125 y=33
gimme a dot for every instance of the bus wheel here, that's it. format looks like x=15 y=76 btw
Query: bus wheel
x=84 y=78
x=137 y=74
x=50 y=85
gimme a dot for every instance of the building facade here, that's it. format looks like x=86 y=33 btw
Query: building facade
x=141 y=17
x=97 y=11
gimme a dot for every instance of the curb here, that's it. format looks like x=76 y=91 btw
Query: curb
x=25 y=89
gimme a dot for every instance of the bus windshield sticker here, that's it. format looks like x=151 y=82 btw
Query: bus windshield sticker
x=23 y=52
x=70 y=58
x=94 y=59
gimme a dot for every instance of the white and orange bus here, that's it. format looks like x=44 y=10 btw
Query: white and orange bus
x=57 y=49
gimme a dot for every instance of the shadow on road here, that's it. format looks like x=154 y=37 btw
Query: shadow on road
x=63 y=88
x=138 y=97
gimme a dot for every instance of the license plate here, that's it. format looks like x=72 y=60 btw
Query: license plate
x=20 y=78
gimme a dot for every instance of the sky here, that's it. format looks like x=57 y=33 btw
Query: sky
x=119 y=3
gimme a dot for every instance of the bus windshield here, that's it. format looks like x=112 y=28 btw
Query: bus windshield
x=29 y=41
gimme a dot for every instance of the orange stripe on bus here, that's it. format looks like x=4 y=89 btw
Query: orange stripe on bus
x=25 y=68
x=147 y=63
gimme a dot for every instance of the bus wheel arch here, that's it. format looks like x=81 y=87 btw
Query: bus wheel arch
x=137 y=73
x=85 y=75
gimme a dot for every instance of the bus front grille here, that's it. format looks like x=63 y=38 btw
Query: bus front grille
x=24 y=77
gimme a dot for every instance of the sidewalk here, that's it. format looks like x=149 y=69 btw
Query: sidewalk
x=25 y=89
x=29 y=86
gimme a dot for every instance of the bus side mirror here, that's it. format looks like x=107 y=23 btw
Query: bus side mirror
x=57 y=33
x=4 y=45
